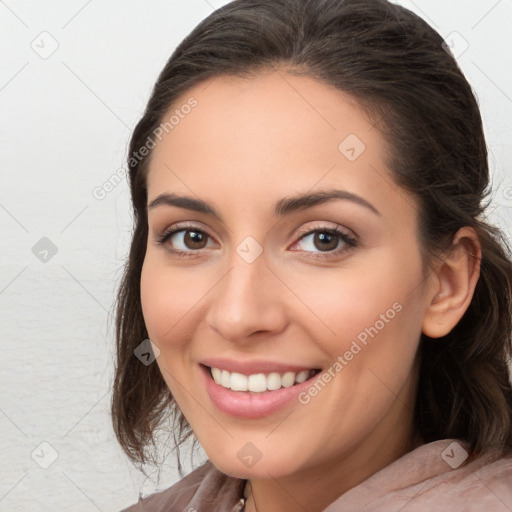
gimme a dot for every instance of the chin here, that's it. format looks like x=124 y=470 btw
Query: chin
x=278 y=467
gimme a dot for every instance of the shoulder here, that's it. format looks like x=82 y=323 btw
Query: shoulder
x=484 y=483
x=480 y=483
x=440 y=476
x=206 y=485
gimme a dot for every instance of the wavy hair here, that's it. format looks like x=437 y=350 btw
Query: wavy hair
x=396 y=67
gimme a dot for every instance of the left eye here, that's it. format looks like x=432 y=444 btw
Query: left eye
x=326 y=241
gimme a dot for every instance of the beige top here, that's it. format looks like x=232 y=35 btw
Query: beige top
x=432 y=477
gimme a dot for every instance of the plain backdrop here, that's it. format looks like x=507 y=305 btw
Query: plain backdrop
x=75 y=77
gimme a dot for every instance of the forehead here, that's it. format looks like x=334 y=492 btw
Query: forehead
x=238 y=117
x=268 y=136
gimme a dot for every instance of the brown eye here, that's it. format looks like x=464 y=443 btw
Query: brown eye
x=194 y=239
x=325 y=241
x=185 y=240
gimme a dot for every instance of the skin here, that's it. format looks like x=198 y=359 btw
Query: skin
x=247 y=144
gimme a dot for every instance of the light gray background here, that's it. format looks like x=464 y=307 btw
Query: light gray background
x=65 y=123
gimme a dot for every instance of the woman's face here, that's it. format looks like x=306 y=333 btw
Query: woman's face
x=262 y=285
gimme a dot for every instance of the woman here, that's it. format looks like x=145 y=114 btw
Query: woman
x=329 y=313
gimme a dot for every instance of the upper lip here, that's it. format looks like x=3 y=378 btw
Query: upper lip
x=253 y=367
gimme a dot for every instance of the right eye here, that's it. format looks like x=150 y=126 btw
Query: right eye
x=184 y=241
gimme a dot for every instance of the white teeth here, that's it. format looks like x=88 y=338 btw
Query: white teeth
x=288 y=379
x=273 y=381
x=259 y=382
x=238 y=382
x=225 y=379
x=216 y=374
x=302 y=376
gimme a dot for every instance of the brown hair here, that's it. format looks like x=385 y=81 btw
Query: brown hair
x=393 y=63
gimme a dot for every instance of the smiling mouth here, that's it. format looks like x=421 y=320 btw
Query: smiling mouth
x=259 y=382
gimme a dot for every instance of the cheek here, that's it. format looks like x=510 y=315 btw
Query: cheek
x=343 y=303
x=169 y=305
x=376 y=304
x=168 y=296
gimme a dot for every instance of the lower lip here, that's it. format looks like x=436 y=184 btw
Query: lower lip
x=246 y=404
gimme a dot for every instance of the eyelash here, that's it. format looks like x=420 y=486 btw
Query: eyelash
x=350 y=241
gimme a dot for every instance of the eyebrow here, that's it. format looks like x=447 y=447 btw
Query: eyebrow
x=281 y=208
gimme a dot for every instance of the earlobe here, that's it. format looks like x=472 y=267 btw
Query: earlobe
x=452 y=284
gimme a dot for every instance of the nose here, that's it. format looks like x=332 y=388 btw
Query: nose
x=249 y=299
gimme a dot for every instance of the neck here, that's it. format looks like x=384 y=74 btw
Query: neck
x=314 y=488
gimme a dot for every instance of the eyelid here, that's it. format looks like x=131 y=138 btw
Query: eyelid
x=325 y=226
x=351 y=241
x=162 y=236
x=347 y=236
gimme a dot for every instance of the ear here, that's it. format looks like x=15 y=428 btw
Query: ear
x=452 y=284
